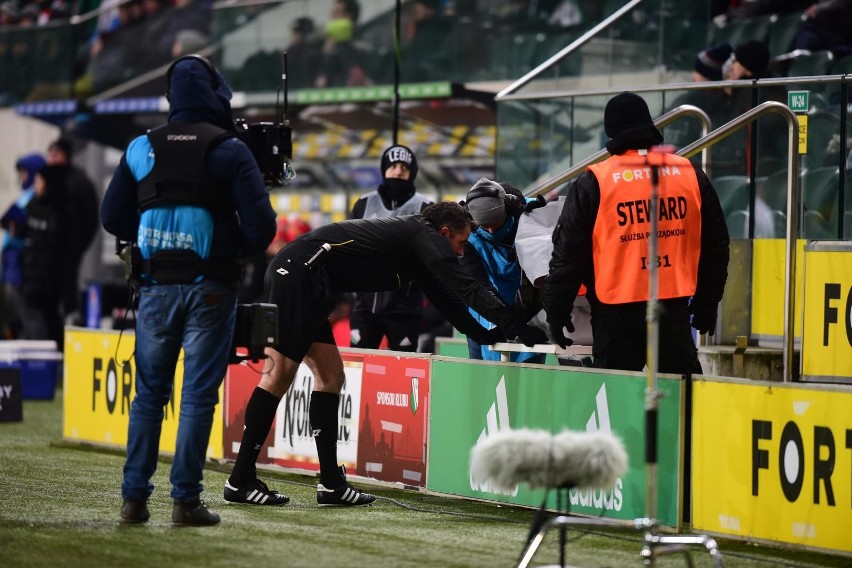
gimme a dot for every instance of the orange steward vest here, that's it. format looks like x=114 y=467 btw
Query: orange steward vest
x=623 y=225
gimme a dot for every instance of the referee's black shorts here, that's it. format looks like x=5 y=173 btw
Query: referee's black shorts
x=303 y=297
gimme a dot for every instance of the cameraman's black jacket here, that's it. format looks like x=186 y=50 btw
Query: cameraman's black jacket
x=371 y=255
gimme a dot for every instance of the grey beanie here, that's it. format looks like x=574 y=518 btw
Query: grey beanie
x=486 y=202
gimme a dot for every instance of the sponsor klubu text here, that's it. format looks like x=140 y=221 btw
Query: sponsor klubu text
x=181 y=137
x=392 y=399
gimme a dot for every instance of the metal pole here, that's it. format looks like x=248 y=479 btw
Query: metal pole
x=653 y=332
x=396 y=65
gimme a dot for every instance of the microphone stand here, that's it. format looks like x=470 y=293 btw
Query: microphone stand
x=655 y=544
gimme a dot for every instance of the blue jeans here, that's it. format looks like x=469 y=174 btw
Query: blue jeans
x=200 y=318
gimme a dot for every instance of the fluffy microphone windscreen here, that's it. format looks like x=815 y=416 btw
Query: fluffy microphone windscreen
x=541 y=459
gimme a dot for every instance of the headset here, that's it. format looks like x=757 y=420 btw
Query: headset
x=214 y=76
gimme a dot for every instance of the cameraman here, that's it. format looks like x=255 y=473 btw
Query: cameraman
x=191 y=197
x=305 y=278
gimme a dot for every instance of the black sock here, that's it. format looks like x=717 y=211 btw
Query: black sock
x=323 y=415
x=260 y=412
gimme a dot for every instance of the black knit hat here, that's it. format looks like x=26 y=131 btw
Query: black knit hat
x=625 y=110
x=753 y=55
x=709 y=62
x=399 y=153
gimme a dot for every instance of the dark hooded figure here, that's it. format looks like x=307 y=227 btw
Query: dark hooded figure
x=601 y=240
x=46 y=262
x=191 y=198
x=394 y=314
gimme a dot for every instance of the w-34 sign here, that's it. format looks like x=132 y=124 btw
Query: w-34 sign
x=798 y=101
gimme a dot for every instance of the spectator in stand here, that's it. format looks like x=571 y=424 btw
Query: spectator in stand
x=29 y=16
x=188 y=41
x=303 y=54
x=83 y=205
x=426 y=53
x=47 y=264
x=14 y=222
x=9 y=13
x=184 y=15
x=750 y=60
x=341 y=59
x=708 y=64
x=827 y=26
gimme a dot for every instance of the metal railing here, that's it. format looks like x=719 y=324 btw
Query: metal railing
x=568 y=50
x=701 y=145
x=660 y=122
x=792 y=207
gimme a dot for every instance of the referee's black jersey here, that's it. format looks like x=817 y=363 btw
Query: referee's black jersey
x=371 y=255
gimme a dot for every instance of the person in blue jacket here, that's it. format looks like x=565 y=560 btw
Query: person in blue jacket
x=190 y=195
x=14 y=221
x=490 y=257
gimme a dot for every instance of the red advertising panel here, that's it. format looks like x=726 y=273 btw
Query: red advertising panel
x=392 y=434
x=383 y=417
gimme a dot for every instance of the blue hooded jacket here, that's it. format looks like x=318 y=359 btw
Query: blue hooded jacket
x=194 y=98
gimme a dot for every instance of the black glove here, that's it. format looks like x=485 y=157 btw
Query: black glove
x=540 y=201
x=530 y=335
x=703 y=317
x=557 y=336
x=490 y=336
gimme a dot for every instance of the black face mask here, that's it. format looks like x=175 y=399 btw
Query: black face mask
x=396 y=189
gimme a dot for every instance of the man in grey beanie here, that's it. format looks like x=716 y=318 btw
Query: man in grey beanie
x=490 y=257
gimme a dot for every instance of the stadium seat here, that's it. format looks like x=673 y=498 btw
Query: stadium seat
x=738 y=224
x=782 y=33
x=732 y=192
x=740 y=31
x=810 y=64
x=842 y=66
x=814 y=226
x=774 y=190
x=822 y=126
x=819 y=191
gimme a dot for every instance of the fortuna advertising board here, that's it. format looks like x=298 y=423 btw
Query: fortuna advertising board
x=99 y=379
x=773 y=462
